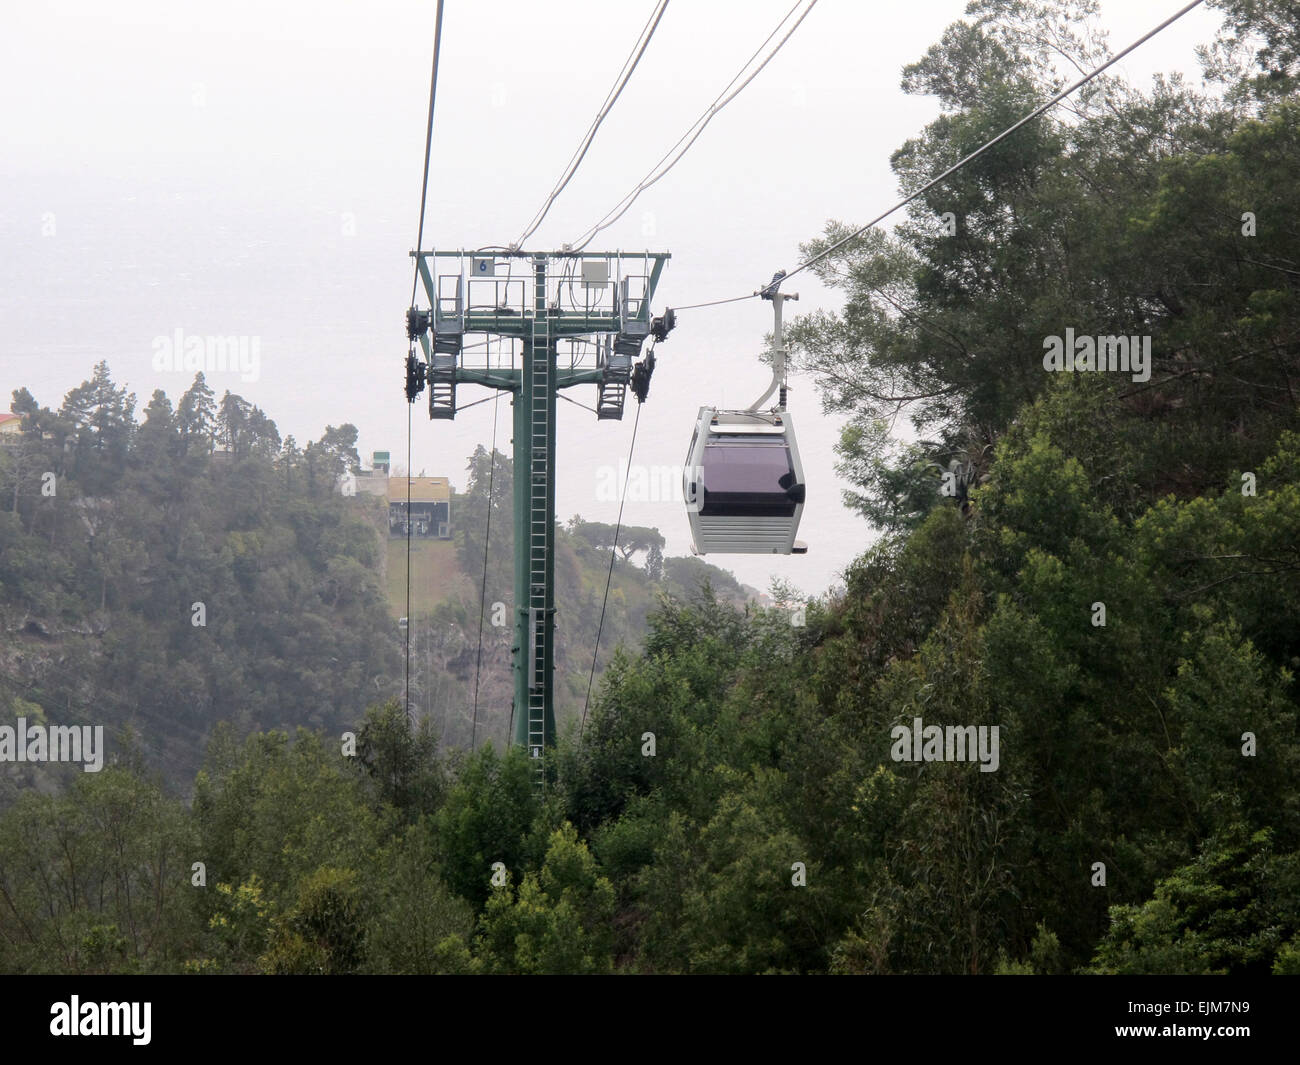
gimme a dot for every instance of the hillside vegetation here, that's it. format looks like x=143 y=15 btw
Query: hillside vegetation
x=191 y=568
x=148 y=582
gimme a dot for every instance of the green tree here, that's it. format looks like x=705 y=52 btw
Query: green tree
x=324 y=933
x=1229 y=911
x=196 y=417
x=95 y=880
x=485 y=819
x=418 y=926
x=559 y=921
x=400 y=760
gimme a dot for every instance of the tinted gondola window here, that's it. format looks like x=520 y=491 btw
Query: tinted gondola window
x=747 y=477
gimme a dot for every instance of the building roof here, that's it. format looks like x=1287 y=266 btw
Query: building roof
x=6 y=416
x=423 y=489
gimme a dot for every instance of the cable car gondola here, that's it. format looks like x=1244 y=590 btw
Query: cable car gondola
x=743 y=482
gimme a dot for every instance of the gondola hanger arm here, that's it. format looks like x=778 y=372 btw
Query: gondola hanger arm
x=772 y=292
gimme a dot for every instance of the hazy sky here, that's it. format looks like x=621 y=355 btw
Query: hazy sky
x=253 y=169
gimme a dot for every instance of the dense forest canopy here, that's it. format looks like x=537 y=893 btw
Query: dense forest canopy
x=192 y=567
x=1091 y=577
x=186 y=568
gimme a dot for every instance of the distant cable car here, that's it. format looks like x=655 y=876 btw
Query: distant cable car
x=743 y=482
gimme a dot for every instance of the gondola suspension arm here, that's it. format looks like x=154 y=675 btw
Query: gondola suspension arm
x=772 y=292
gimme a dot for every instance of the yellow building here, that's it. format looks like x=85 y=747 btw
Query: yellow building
x=430 y=506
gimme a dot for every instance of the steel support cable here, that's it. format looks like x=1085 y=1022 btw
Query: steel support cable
x=415 y=280
x=406 y=691
x=428 y=146
x=714 y=303
x=659 y=170
x=584 y=406
x=620 y=83
x=1080 y=83
x=972 y=156
x=487 y=542
x=600 y=628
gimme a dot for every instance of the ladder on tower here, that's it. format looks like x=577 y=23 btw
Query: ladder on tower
x=539 y=531
x=442 y=375
x=615 y=376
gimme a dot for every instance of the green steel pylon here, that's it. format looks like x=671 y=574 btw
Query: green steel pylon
x=620 y=311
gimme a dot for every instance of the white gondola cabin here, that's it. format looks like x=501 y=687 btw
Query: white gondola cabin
x=743 y=483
